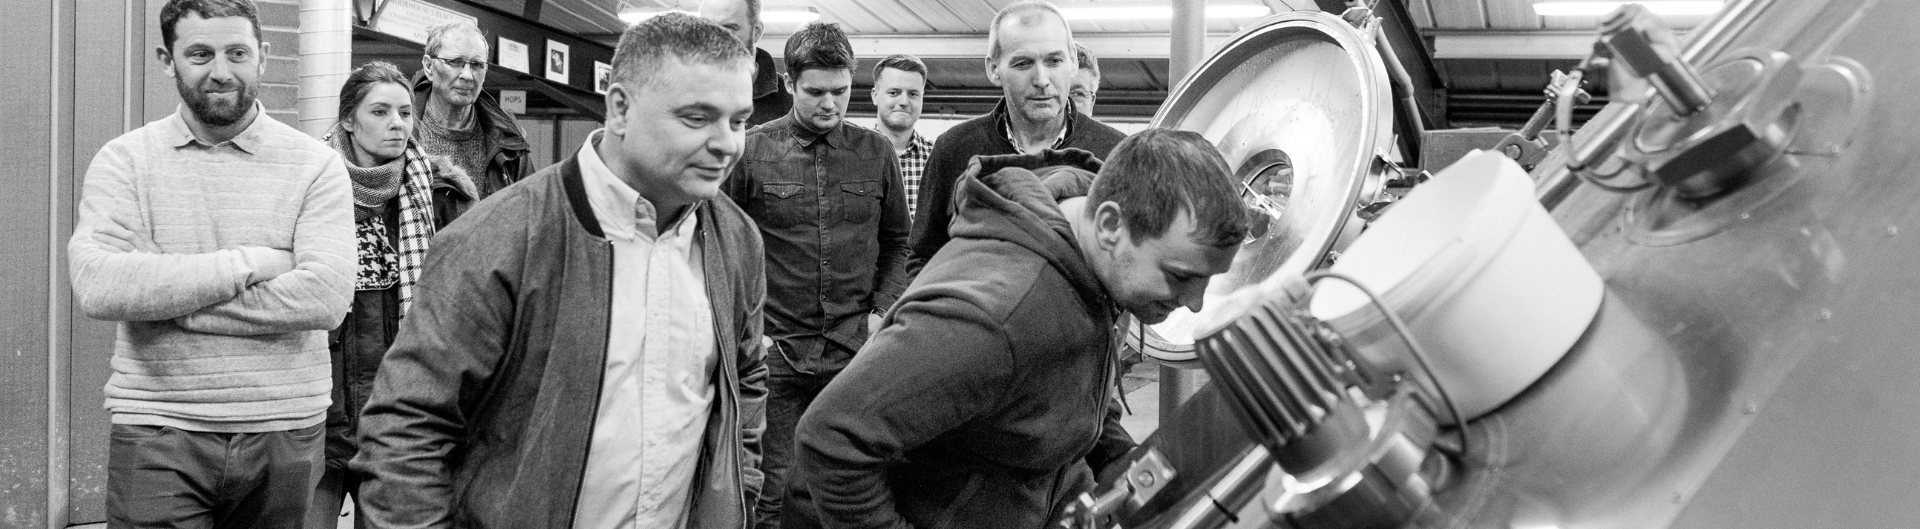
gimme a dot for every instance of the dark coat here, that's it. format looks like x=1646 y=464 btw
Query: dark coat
x=360 y=342
x=952 y=153
x=508 y=162
x=770 y=97
x=988 y=394
x=484 y=408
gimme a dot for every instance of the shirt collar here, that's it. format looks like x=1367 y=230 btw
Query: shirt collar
x=1006 y=126
x=180 y=134
x=804 y=135
x=919 y=143
x=623 y=213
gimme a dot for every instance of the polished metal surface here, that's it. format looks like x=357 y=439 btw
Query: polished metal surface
x=1309 y=85
x=1752 y=365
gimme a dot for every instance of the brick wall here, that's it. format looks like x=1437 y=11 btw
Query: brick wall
x=280 y=85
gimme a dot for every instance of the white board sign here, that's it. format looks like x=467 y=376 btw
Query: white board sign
x=513 y=55
x=513 y=101
x=410 y=19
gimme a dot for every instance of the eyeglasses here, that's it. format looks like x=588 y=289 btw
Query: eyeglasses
x=462 y=64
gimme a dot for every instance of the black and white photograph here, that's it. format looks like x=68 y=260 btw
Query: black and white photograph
x=602 y=76
x=558 y=57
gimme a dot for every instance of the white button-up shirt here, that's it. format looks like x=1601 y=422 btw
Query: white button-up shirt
x=658 y=391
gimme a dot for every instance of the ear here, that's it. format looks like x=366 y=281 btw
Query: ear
x=1109 y=226
x=754 y=43
x=618 y=101
x=166 y=60
x=426 y=66
x=265 y=50
x=993 y=71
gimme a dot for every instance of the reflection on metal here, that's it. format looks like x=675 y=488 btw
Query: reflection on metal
x=1305 y=84
x=1751 y=362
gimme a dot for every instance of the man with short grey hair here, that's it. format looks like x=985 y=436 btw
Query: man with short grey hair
x=771 y=100
x=458 y=119
x=1086 y=81
x=584 y=350
x=1030 y=56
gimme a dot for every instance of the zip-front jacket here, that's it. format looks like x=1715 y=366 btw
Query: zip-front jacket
x=484 y=408
x=986 y=399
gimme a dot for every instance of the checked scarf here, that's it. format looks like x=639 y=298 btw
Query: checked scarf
x=381 y=267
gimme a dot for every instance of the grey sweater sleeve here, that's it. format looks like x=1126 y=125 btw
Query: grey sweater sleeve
x=113 y=285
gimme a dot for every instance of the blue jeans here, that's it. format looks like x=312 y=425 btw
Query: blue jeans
x=167 y=477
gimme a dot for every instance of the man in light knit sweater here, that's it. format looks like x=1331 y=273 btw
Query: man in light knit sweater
x=222 y=241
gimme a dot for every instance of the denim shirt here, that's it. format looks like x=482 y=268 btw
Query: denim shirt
x=833 y=212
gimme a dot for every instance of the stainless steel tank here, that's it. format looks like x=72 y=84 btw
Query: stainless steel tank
x=1753 y=362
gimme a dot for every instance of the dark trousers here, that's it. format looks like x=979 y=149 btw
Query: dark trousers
x=788 y=394
x=335 y=485
x=168 y=477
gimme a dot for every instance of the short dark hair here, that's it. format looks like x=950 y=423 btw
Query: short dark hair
x=1157 y=173
x=819 y=46
x=1026 y=13
x=175 y=10
x=362 y=80
x=902 y=62
x=645 y=47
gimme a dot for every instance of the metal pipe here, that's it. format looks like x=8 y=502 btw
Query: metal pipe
x=1412 y=127
x=1188 y=43
x=326 y=58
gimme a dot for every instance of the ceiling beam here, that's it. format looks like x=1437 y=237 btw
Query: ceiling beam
x=532 y=11
x=1104 y=45
x=1490 y=44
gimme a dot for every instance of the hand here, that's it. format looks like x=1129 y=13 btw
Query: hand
x=124 y=235
x=873 y=323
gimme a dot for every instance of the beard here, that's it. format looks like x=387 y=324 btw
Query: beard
x=216 y=114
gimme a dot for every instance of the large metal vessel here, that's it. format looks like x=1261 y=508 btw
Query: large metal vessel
x=1752 y=363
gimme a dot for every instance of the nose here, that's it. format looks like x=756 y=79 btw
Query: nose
x=221 y=73
x=1193 y=294
x=725 y=143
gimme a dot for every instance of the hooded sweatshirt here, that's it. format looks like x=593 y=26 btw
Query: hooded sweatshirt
x=988 y=392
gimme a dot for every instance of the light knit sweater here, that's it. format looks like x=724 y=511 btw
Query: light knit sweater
x=199 y=348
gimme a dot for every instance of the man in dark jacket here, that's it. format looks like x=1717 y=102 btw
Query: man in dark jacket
x=742 y=18
x=584 y=349
x=986 y=398
x=1030 y=56
x=458 y=119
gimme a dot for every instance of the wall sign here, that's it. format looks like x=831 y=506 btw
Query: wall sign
x=410 y=19
x=514 y=101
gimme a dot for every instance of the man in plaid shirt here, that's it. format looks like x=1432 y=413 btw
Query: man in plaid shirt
x=899 y=84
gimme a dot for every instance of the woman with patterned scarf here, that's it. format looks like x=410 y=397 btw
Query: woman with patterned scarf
x=400 y=198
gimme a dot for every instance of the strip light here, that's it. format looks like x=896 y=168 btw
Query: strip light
x=784 y=15
x=1137 y=11
x=1594 y=9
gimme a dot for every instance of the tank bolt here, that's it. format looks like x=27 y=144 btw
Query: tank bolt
x=1826 y=314
x=1751 y=407
x=1745 y=216
x=1893 y=230
x=1144 y=478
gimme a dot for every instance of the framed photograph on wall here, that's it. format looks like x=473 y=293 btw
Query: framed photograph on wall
x=513 y=55
x=558 y=56
x=602 y=76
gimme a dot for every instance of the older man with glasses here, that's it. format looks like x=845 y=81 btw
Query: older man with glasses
x=460 y=121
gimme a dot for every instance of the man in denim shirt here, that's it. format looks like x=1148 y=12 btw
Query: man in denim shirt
x=830 y=205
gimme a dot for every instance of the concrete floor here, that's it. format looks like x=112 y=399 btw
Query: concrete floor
x=1141 y=384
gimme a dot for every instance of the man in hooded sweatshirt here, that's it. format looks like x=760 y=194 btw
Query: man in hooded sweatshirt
x=986 y=397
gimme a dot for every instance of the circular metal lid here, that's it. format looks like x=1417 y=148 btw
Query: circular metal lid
x=1303 y=90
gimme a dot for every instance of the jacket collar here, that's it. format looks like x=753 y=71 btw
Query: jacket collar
x=766 y=79
x=1004 y=120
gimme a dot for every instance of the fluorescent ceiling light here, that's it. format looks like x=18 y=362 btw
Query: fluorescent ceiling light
x=1594 y=9
x=1139 y=11
x=788 y=15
